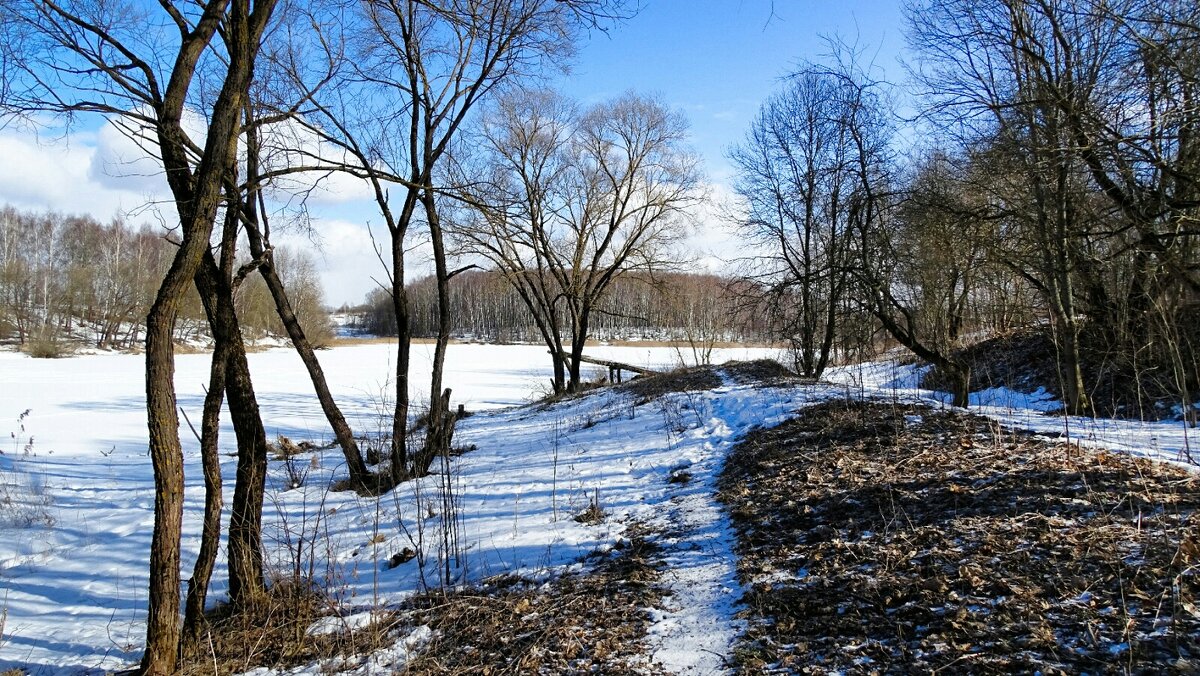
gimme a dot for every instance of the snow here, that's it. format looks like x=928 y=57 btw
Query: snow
x=74 y=582
x=75 y=591
x=1166 y=440
x=696 y=633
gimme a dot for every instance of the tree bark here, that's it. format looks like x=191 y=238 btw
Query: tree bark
x=166 y=455
x=436 y=438
x=399 y=454
x=246 y=580
x=579 y=330
x=210 y=539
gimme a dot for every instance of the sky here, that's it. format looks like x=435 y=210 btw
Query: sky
x=714 y=60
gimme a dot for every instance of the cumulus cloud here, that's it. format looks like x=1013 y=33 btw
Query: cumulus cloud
x=714 y=244
x=48 y=172
x=345 y=256
x=290 y=144
x=124 y=159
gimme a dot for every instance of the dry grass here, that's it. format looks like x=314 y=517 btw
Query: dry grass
x=274 y=632
x=691 y=379
x=593 y=622
x=577 y=624
x=49 y=345
x=759 y=372
x=879 y=538
x=285 y=448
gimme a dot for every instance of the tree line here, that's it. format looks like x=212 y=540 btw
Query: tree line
x=57 y=272
x=1050 y=179
x=71 y=279
x=669 y=306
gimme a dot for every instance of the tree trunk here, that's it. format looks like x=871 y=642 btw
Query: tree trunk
x=560 y=369
x=399 y=454
x=1074 y=391
x=166 y=455
x=439 y=434
x=578 y=341
x=960 y=382
x=197 y=195
x=439 y=402
x=210 y=539
x=958 y=372
x=337 y=421
x=246 y=581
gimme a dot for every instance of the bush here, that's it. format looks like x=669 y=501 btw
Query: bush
x=48 y=343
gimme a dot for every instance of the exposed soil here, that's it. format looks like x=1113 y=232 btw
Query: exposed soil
x=765 y=372
x=759 y=372
x=896 y=539
x=691 y=379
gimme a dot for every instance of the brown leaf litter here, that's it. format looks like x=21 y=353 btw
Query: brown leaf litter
x=879 y=538
x=594 y=622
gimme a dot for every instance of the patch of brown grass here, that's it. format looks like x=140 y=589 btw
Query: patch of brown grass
x=274 y=632
x=285 y=448
x=578 y=624
x=759 y=372
x=691 y=379
x=880 y=538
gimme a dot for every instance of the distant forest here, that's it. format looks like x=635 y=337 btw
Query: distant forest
x=669 y=306
x=67 y=280
x=71 y=279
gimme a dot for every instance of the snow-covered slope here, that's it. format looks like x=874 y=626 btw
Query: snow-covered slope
x=74 y=581
x=73 y=558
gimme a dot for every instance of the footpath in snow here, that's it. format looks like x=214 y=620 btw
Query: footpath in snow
x=73 y=566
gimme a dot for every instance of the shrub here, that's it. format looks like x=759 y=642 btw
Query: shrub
x=48 y=343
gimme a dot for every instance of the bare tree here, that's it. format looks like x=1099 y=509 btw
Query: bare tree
x=102 y=57
x=992 y=71
x=253 y=213
x=795 y=177
x=574 y=201
x=418 y=68
x=861 y=109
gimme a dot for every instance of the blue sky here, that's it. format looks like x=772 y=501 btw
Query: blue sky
x=716 y=60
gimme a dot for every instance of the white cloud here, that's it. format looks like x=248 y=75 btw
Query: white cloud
x=346 y=257
x=47 y=172
x=105 y=173
x=120 y=162
x=290 y=144
x=714 y=243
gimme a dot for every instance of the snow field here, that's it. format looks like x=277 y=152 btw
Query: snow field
x=75 y=591
x=73 y=585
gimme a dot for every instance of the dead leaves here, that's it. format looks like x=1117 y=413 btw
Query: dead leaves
x=587 y=623
x=930 y=540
